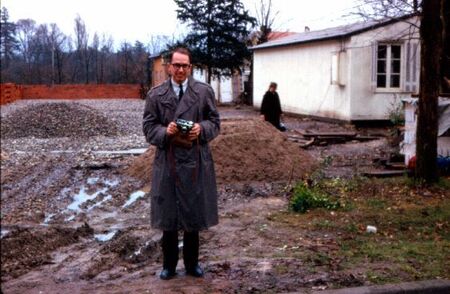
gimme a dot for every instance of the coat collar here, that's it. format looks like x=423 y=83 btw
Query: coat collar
x=168 y=96
x=189 y=99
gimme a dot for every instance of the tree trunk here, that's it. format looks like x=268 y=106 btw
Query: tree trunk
x=427 y=124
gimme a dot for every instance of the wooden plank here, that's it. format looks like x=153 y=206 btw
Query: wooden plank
x=385 y=173
x=325 y=134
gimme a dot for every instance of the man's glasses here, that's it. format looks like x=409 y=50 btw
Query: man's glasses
x=177 y=66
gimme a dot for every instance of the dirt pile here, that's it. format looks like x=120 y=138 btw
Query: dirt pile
x=247 y=150
x=54 y=120
x=27 y=248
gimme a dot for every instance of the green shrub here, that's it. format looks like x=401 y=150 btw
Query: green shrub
x=305 y=198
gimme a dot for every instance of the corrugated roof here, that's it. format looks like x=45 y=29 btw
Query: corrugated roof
x=330 y=33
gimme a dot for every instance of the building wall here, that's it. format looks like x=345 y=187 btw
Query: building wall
x=331 y=78
x=223 y=88
x=368 y=103
x=159 y=71
x=303 y=75
x=11 y=92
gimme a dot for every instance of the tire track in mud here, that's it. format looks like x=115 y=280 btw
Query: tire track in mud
x=35 y=186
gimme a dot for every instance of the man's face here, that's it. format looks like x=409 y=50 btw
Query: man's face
x=180 y=67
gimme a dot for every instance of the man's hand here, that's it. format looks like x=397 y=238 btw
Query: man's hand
x=195 y=132
x=172 y=129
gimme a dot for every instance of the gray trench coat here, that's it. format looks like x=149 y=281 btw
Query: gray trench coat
x=183 y=192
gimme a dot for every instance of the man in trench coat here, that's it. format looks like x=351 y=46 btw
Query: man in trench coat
x=183 y=192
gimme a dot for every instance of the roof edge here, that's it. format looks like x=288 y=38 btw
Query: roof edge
x=379 y=24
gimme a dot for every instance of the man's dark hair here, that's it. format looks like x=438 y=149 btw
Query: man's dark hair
x=181 y=50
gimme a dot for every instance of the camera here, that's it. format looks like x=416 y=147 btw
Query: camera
x=184 y=125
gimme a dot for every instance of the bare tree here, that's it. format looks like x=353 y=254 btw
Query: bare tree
x=158 y=43
x=125 y=60
x=26 y=29
x=81 y=43
x=95 y=56
x=265 y=18
x=427 y=122
x=382 y=9
x=57 y=41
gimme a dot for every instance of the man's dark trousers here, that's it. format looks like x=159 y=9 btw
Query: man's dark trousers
x=170 y=249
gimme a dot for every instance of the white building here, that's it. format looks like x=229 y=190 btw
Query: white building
x=226 y=89
x=353 y=72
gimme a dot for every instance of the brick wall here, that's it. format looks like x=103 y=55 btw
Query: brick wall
x=11 y=92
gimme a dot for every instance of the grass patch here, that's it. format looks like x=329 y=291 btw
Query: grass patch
x=306 y=198
x=376 y=203
x=413 y=228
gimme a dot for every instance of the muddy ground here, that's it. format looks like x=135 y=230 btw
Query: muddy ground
x=75 y=214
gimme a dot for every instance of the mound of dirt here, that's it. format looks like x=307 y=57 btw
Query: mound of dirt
x=25 y=249
x=247 y=150
x=54 y=120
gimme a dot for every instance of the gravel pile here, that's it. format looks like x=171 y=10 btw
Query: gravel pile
x=56 y=120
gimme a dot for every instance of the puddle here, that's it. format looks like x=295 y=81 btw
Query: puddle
x=111 y=183
x=48 y=218
x=92 y=181
x=139 y=251
x=105 y=237
x=83 y=197
x=3 y=233
x=108 y=197
x=133 y=197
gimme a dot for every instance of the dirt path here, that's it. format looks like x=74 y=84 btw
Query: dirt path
x=75 y=222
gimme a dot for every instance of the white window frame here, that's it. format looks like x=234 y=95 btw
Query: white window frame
x=388 y=87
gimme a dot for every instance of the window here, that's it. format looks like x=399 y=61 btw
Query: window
x=388 y=70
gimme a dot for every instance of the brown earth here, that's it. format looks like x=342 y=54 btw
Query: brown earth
x=103 y=244
x=247 y=150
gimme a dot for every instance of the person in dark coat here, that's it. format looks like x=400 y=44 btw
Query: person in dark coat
x=183 y=189
x=271 y=107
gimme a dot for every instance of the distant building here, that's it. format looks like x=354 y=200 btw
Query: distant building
x=158 y=70
x=354 y=72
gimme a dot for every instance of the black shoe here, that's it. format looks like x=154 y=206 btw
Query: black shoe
x=195 y=271
x=167 y=274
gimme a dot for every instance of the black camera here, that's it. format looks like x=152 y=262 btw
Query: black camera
x=184 y=125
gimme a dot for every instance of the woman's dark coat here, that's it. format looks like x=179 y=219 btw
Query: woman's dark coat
x=183 y=192
x=271 y=108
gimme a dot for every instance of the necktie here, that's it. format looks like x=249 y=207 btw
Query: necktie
x=180 y=94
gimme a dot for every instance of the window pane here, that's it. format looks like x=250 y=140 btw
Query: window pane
x=381 y=66
x=395 y=50
x=395 y=81
x=395 y=66
x=381 y=51
x=381 y=81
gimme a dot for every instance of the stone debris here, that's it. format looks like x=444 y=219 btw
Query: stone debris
x=54 y=120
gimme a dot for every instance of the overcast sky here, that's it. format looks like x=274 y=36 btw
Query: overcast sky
x=132 y=20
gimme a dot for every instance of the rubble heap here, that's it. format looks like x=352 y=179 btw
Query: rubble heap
x=54 y=120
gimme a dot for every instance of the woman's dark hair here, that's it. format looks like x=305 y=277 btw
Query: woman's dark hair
x=181 y=50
